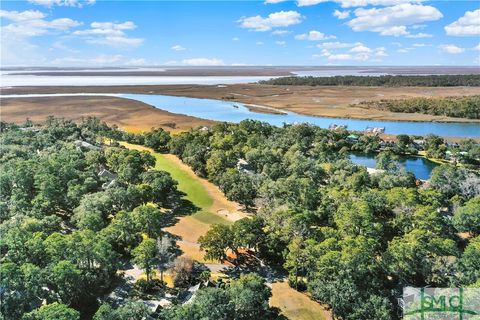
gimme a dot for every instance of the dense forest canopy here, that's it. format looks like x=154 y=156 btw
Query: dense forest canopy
x=352 y=239
x=75 y=210
x=387 y=81
x=457 y=107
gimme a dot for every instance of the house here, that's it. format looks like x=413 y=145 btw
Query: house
x=337 y=127
x=85 y=145
x=375 y=130
x=419 y=144
x=109 y=177
x=188 y=295
x=244 y=166
x=387 y=143
x=352 y=138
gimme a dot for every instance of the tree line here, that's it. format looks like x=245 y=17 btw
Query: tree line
x=471 y=80
x=457 y=107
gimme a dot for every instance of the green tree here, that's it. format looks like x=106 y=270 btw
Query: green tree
x=145 y=255
x=216 y=241
x=67 y=281
x=467 y=217
x=52 y=311
x=149 y=219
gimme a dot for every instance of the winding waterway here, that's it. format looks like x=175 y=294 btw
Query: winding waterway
x=219 y=110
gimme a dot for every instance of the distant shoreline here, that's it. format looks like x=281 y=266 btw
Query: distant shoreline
x=247 y=71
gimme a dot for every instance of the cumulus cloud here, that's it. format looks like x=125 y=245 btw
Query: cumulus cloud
x=32 y=23
x=66 y=3
x=477 y=47
x=177 y=47
x=361 y=48
x=341 y=14
x=203 y=62
x=451 y=48
x=392 y=21
x=110 y=34
x=273 y=20
x=280 y=43
x=468 y=25
x=314 y=35
x=358 y=52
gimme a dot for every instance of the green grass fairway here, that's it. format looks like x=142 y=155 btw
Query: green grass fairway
x=191 y=185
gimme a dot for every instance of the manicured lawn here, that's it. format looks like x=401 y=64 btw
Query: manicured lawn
x=193 y=189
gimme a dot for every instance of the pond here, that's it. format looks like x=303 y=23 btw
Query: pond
x=420 y=167
x=235 y=112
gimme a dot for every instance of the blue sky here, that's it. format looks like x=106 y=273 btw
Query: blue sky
x=271 y=32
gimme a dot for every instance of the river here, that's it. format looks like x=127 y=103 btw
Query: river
x=219 y=110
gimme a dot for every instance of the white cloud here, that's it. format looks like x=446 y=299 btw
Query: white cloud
x=451 y=48
x=381 y=52
x=274 y=20
x=477 y=47
x=178 y=47
x=66 y=3
x=404 y=50
x=358 y=52
x=419 y=35
x=203 y=62
x=235 y=39
x=341 y=14
x=418 y=26
x=280 y=43
x=280 y=32
x=392 y=21
x=342 y=56
x=259 y=43
x=338 y=45
x=468 y=25
x=32 y=23
x=361 y=48
x=110 y=34
x=314 y=35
